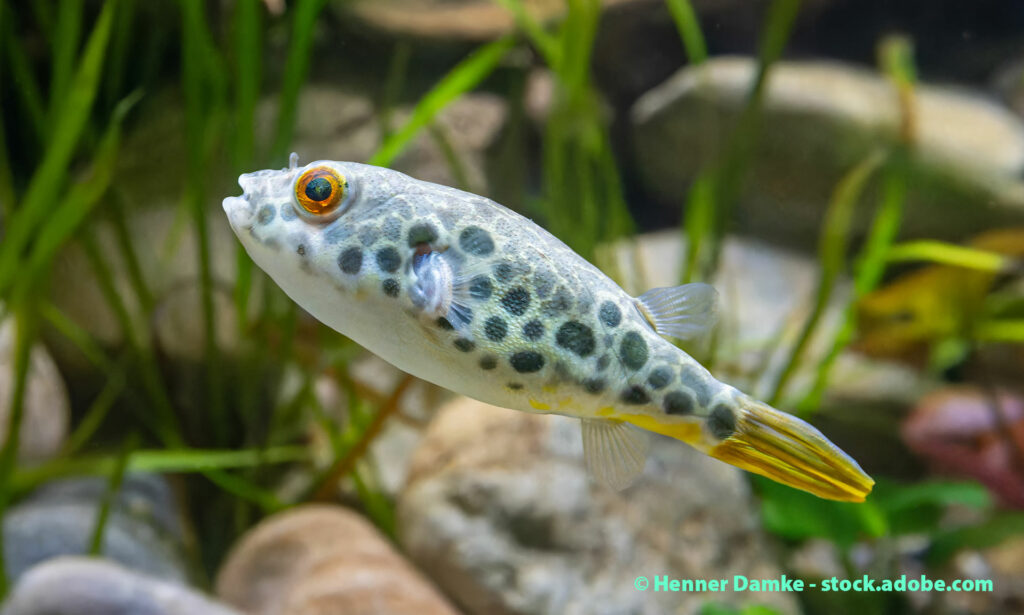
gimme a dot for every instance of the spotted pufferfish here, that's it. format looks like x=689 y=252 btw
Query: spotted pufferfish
x=458 y=290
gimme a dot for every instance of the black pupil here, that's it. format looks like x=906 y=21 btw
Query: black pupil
x=319 y=189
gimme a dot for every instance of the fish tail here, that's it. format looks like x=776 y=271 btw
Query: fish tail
x=758 y=438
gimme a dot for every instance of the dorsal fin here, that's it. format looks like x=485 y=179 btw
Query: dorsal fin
x=685 y=312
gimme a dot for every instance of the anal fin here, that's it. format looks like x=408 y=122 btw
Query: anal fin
x=685 y=312
x=614 y=452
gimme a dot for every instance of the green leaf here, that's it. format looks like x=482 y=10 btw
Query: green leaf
x=949 y=254
x=833 y=244
x=81 y=199
x=464 y=77
x=163 y=461
x=990 y=533
x=689 y=29
x=51 y=176
x=797 y=515
x=295 y=70
x=64 y=44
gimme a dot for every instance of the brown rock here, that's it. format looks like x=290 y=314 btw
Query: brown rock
x=474 y=20
x=500 y=512
x=320 y=559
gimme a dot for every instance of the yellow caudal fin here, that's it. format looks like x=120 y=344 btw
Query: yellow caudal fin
x=784 y=448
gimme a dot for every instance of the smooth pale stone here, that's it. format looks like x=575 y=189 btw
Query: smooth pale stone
x=44 y=425
x=144 y=530
x=500 y=512
x=84 y=586
x=323 y=560
x=820 y=120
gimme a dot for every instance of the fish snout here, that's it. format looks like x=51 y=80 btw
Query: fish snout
x=240 y=209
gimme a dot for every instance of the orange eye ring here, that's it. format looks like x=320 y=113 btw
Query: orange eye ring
x=320 y=189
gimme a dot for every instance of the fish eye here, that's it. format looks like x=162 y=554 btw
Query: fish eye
x=320 y=190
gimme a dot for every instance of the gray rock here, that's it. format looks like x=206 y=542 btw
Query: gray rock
x=46 y=411
x=444 y=20
x=820 y=120
x=83 y=586
x=322 y=560
x=143 y=530
x=499 y=511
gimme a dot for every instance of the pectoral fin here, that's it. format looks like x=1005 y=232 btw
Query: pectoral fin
x=685 y=312
x=442 y=287
x=614 y=452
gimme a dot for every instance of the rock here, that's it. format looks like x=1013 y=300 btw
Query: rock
x=462 y=20
x=143 y=530
x=83 y=586
x=319 y=559
x=499 y=511
x=821 y=119
x=46 y=412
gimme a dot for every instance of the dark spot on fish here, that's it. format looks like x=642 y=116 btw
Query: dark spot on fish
x=659 y=378
x=465 y=345
x=576 y=337
x=516 y=301
x=336 y=233
x=288 y=212
x=593 y=385
x=351 y=260
x=390 y=287
x=533 y=330
x=422 y=233
x=677 y=402
x=476 y=240
x=392 y=228
x=635 y=395
x=447 y=218
x=369 y=235
x=543 y=283
x=488 y=362
x=266 y=214
x=633 y=350
x=480 y=288
x=444 y=324
x=388 y=259
x=610 y=314
x=495 y=328
x=603 y=362
x=504 y=272
x=527 y=362
x=301 y=249
x=561 y=302
x=693 y=379
x=515 y=386
x=721 y=422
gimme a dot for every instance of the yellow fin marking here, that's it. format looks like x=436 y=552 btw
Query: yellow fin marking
x=538 y=405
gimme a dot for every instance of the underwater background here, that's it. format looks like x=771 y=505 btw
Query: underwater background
x=179 y=437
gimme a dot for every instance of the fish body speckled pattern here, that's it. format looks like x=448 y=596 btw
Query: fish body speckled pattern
x=456 y=289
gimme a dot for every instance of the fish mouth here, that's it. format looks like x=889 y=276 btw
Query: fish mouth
x=240 y=211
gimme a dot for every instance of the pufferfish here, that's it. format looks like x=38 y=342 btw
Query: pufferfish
x=456 y=289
